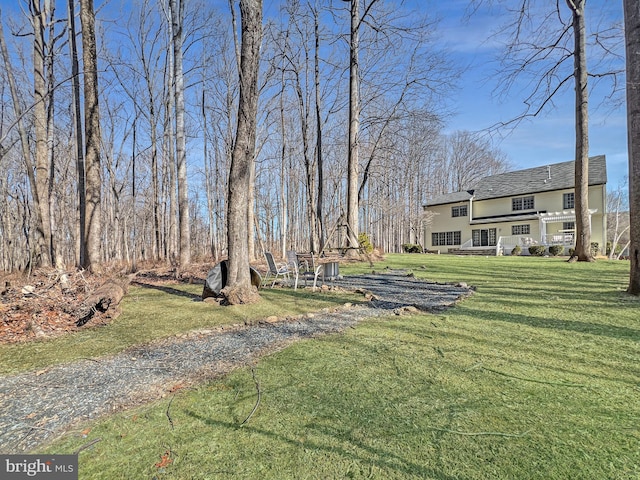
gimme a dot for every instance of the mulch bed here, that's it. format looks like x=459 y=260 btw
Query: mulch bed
x=36 y=407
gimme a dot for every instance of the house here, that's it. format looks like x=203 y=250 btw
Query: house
x=527 y=207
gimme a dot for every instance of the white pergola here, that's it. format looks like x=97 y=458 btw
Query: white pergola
x=557 y=217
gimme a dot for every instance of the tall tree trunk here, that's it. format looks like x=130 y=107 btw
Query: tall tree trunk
x=24 y=142
x=319 y=159
x=54 y=249
x=155 y=190
x=632 y=40
x=309 y=167
x=284 y=204
x=134 y=248
x=92 y=136
x=77 y=130
x=582 y=251
x=354 y=128
x=184 y=243
x=43 y=168
x=169 y=164
x=208 y=176
x=239 y=288
x=251 y=215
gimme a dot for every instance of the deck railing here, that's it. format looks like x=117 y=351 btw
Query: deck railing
x=507 y=243
x=566 y=239
x=467 y=244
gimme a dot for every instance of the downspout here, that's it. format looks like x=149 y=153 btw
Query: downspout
x=470 y=219
x=603 y=248
x=424 y=228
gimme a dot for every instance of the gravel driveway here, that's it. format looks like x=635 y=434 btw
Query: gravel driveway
x=38 y=406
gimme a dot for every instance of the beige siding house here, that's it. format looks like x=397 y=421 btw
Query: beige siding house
x=525 y=207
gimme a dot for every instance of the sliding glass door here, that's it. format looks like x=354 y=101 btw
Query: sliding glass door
x=485 y=237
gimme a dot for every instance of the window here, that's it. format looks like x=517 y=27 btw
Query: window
x=522 y=203
x=520 y=229
x=484 y=237
x=568 y=200
x=445 y=238
x=568 y=225
x=460 y=211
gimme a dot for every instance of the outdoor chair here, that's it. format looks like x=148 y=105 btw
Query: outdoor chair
x=275 y=270
x=307 y=269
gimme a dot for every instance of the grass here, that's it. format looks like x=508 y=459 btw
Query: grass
x=154 y=312
x=536 y=376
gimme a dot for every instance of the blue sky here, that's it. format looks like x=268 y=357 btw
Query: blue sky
x=548 y=138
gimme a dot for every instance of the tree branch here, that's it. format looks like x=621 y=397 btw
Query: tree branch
x=478 y=434
x=255 y=407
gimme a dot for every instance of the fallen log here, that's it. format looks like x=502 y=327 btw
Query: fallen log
x=105 y=298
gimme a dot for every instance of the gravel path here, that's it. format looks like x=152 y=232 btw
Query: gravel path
x=38 y=406
x=396 y=289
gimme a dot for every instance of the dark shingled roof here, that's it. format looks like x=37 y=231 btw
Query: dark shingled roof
x=547 y=178
x=450 y=198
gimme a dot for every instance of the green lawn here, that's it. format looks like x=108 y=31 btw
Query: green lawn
x=155 y=312
x=536 y=376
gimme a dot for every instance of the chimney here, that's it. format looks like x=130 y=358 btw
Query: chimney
x=548 y=172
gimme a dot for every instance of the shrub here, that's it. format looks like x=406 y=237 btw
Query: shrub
x=555 y=250
x=412 y=248
x=618 y=248
x=537 y=250
x=365 y=243
x=593 y=251
x=517 y=250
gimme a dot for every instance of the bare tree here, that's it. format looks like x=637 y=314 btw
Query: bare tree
x=223 y=81
x=239 y=288
x=582 y=252
x=294 y=62
x=77 y=130
x=468 y=157
x=354 y=125
x=93 y=220
x=24 y=143
x=145 y=39
x=550 y=50
x=400 y=73
x=177 y=20
x=632 y=37
x=40 y=18
x=617 y=221
x=318 y=111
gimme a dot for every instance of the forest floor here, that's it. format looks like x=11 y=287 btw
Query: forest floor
x=38 y=307
x=35 y=307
